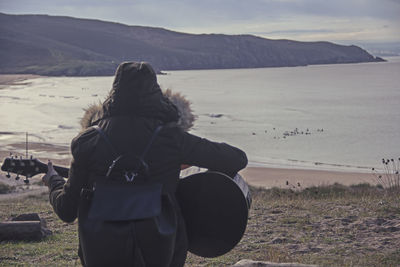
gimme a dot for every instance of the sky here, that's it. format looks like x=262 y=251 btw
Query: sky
x=340 y=21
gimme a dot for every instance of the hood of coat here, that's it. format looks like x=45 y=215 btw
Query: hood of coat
x=135 y=92
x=185 y=121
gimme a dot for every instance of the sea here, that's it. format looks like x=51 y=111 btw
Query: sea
x=343 y=117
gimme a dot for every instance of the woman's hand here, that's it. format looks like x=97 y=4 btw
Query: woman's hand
x=50 y=172
x=185 y=166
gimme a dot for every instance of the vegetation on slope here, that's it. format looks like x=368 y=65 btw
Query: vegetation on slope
x=330 y=225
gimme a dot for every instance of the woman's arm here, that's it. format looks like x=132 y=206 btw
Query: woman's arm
x=64 y=196
x=215 y=156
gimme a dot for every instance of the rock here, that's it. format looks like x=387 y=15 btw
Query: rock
x=29 y=227
x=251 y=263
x=278 y=240
x=277 y=211
x=26 y=217
x=216 y=115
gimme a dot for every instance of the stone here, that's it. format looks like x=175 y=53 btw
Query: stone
x=251 y=263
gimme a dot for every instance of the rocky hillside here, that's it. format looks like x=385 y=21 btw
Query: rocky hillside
x=53 y=45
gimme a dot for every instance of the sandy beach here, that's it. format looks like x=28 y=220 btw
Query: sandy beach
x=256 y=176
x=301 y=178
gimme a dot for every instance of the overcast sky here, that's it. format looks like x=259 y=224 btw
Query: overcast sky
x=344 y=21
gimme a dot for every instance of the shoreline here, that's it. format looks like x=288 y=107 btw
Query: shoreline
x=308 y=165
x=298 y=179
x=266 y=177
x=13 y=79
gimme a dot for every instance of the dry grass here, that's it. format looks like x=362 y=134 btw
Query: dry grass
x=329 y=226
x=5 y=188
x=389 y=177
x=59 y=249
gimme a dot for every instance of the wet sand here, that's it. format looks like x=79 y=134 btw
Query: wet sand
x=256 y=176
x=299 y=178
x=13 y=79
x=10 y=79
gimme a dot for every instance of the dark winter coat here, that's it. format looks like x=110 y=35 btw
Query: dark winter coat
x=129 y=116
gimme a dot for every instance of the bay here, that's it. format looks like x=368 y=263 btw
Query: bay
x=343 y=117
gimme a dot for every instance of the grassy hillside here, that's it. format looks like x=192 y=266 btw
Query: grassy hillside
x=329 y=226
x=52 y=45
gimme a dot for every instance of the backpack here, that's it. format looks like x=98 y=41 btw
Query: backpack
x=116 y=210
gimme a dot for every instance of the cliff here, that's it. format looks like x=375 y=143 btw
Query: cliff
x=53 y=45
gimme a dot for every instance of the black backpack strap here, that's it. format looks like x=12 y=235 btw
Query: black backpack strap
x=156 y=131
x=105 y=137
x=119 y=156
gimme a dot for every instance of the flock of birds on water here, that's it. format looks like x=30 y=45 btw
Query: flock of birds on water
x=294 y=132
x=285 y=134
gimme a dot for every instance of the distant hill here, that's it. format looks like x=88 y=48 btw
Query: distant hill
x=53 y=45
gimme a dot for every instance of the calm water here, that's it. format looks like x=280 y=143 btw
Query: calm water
x=327 y=116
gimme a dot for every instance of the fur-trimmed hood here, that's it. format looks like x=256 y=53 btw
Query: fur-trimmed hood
x=186 y=120
x=135 y=92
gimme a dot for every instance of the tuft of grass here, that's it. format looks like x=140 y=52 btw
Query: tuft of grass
x=319 y=192
x=5 y=188
x=389 y=178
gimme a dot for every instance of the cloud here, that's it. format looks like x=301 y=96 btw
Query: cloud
x=293 y=31
x=195 y=10
x=303 y=19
